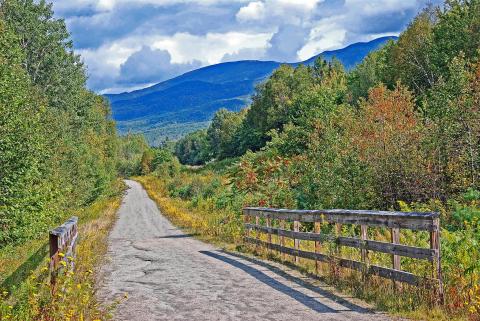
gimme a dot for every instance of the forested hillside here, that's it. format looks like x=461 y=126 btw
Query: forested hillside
x=188 y=102
x=401 y=131
x=58 y=144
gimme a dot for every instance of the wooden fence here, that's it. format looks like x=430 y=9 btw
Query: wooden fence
x=63 y=240
x=274 y=222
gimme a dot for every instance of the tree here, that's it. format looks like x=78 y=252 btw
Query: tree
x=389 y=142
x=222 y=132
x=193 y=149
x=411 y=57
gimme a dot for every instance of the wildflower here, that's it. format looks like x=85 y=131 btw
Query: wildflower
x=61 y=254
x=45 y=269
x=10 y=307
x=5 y=293
x=63 y=263
x=79 y=286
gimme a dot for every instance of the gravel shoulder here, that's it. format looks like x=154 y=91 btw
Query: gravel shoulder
x=169 y=275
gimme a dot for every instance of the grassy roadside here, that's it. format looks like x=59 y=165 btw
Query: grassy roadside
x=222 y=226
x=31 y=298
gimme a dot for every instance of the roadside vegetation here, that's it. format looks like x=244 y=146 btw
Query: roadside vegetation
x=59 y=156
x=401 y=131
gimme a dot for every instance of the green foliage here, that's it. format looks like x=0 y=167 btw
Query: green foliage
x=131 y=151
x=222 y=132
x=194 y=148
x=58 y=146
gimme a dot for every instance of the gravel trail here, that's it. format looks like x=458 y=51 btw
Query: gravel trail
x=169 y=275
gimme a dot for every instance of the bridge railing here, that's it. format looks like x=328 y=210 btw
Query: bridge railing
x=63 y=240
x=270 y=221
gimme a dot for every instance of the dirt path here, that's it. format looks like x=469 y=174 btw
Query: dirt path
x=169 y=275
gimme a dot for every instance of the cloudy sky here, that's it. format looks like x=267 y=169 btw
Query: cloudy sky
x=129 y=44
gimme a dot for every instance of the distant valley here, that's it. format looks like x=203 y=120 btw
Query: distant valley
x=186 y=103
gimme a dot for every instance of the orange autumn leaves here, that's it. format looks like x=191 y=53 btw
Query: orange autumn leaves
x=387 y=138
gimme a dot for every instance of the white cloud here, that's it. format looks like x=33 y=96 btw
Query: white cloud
x=201 y=32
x=253 y=11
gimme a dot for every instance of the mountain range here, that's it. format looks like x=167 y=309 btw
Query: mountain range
x=174 y=107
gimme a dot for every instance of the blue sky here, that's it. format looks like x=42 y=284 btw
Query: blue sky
x=130 y=44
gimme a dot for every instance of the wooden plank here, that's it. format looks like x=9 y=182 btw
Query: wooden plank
x=369 y=245
x=296 y=227
x=388 y=273
x=423 y=215
x=307 y=236
x=412 y=221
x=290 y=251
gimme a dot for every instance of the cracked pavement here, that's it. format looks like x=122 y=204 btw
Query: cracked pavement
x=169 y=275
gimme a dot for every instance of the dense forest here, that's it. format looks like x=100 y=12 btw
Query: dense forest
x=58 y=144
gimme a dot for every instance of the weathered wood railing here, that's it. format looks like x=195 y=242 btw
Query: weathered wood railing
x=63 y=240
x=379 y=219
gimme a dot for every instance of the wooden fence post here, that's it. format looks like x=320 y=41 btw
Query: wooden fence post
x=364 y=251
x=436 y=263
x=282 y=238
x=317 y=247
x=395 y=258
x=62 y=239
x=53 y=242
x=257 y=222
x=246 y=220
x=269 y=235
x=296 y=228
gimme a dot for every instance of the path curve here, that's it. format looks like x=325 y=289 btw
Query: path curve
x=169 y=275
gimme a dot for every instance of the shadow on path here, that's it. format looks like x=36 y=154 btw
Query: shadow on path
x=306 y=300
x=176 y=236
x=325 y=293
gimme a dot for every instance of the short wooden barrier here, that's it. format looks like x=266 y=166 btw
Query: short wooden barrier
x=63 y=240
x=395 y=221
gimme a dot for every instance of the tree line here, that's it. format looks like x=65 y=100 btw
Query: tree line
x=58 y=143
x=402 y=125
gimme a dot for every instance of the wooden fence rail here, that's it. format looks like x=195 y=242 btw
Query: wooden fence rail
x=63 y=240
x=395 y=221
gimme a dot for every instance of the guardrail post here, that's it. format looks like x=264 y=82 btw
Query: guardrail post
x=436 y=263
x=296 y=228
